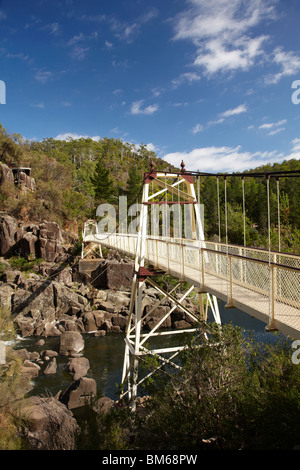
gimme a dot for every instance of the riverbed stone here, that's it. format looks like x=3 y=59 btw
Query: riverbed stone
x=78 y=367
x=49 y=425
x=51 y=367
x=71 y=342
x=89 y=322
x=79 y=393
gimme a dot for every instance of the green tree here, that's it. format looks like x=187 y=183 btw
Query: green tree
x=134 y=183
x=103 y=185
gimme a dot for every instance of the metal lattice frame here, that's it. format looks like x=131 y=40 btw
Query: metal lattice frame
x=136 y=340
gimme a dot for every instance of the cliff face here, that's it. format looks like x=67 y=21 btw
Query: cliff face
x=31 y=241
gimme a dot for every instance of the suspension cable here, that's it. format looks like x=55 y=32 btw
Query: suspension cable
x=219 y=216
x=269 y=216
x=244 y=213
x=278 y=212
x=226 y=224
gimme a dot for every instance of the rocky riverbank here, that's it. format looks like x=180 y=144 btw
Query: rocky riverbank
x=53 y=299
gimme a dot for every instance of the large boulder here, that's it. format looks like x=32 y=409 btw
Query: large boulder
x=50 y=241
x=113 y=274
x=6 y=293
x=79 y=393
x=26 y=181
x=71 y=342
x=6 y=174
x=36 y=241
x=78 y=367
x=8 y=229
x=67 y=301
x=49 y=425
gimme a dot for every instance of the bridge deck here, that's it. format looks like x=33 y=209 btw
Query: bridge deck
x=257 y=284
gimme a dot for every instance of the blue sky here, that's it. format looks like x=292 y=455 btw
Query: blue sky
x=206 y=81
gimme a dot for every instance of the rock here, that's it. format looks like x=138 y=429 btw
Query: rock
x=37 y=241
x=50 y=330
x=119 y=300
x=41 y=342
x=49 y=424
x=23 y=354
x=25 y=181
x=108 y=307
x=34 y=356
x=39 y=297
x=78 y=367
x=67 y=301
x=6 y=174
x=48 y=353
x=99 y=317
x=30 y=369
x=113 y=275
x=6 y=293
x=27 y=245
x=181 y=324
x=120 y=321
x=26 y=326
x=14 y=277
x=71 y=342
x=79 y=393
x=51 y=367
x=89 y=322
x=104 y=404
x=8 y=228
x=99 y=333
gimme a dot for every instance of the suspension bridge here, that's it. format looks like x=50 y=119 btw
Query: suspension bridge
x=263 y=283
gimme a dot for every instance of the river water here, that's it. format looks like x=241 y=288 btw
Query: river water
x=105 y=354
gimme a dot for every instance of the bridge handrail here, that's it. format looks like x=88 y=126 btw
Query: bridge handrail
x=196 y=244
x=224 y=269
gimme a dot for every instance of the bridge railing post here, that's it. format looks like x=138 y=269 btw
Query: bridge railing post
x=182 y=261
x=230 y=300
x=202 y=265
x=271 y=326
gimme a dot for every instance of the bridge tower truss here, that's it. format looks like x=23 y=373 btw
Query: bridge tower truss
x=163 y=193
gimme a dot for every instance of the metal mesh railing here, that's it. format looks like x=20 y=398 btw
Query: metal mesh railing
x=267 y=282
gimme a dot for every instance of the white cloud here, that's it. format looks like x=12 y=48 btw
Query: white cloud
x=128 y=32
x=217 y=56
x=232 y=112
x=296 y=144
x=43 y=76
x=198 y=128
x=224 y=35
x=38 y=105
x=82 y=37
x=136 y=108
x=289 y=63
x=71 y=135
x=53 y=28
x=212 y=18
x=75 y=39
x=188 y=77
x=273 y=127
x=79 y=53
x=223 y=159
x=276 y=131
